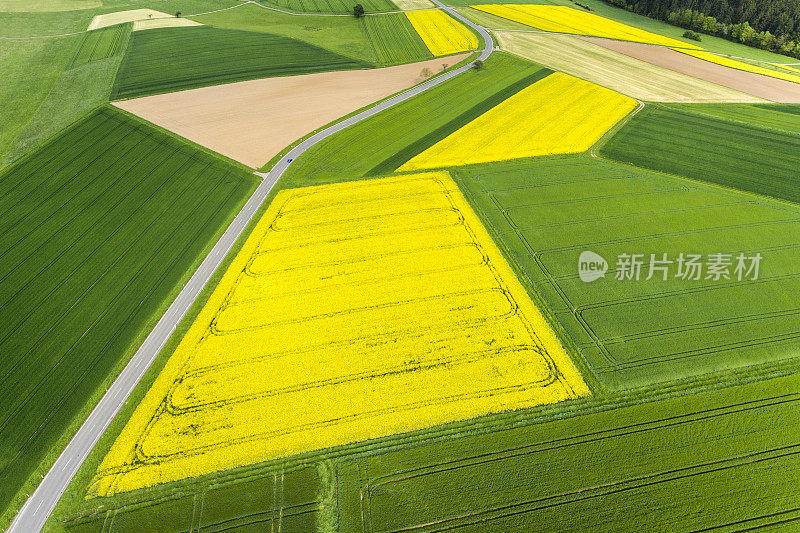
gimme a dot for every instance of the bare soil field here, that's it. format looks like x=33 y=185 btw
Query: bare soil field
x=614 y=70
x=120 y=17
x=170 y=22
x=252 y=121
x=755 y=84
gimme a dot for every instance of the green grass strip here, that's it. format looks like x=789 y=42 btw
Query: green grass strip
x=783 y=108
x=391 y=164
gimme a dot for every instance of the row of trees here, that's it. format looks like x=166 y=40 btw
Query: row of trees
x=769 y=24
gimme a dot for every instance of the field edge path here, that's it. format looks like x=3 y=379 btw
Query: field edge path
x=37 y=508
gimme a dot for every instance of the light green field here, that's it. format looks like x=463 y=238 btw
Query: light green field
x=31 y=68
x=33 y=6
x=631 y=333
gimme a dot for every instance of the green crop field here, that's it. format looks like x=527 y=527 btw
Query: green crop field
x=431 y=116
x=545 y=212
x=674 y=139
x=691 y=416
x=342 y=35
x=395 y=40
x=723 y=459
x=280 y=501
x=780 y=117
x=101 y=44
x=202 y=56
x=332 y=6
x=98 y=229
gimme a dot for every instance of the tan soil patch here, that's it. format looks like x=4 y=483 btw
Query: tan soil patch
x=614 y=70
x=170 y=22
x=119 y=17
x=252 y=121
x=409 y=5
x=761 y=86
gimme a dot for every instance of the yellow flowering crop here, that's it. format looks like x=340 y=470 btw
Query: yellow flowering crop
x=557 y=115
x=442 y=33
x=563 y=19
x=740 y=65
x=353 y=311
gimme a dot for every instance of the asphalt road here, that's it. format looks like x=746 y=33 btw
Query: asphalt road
x=41 y=503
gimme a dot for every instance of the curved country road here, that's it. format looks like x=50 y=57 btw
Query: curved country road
x=41 y=503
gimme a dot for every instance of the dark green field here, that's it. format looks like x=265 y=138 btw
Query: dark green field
x=780 y=117
x=201 y=56
x=677 y=140
x=97 y=229
x=281 y=501
x=726 y=460
x=545 y=212
x=385 y=138
x=395 y=40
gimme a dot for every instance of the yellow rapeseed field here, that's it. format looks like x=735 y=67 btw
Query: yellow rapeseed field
x=563 y=19
x=559 y=114
x=353 y=311
x=740 y=65
x=442 y=33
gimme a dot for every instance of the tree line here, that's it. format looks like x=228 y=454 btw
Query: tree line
x=768 y=24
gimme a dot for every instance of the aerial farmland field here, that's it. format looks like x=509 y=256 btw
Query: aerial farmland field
x=395 y=40
x=87 y=264
x=320 y=266
x=206 y=56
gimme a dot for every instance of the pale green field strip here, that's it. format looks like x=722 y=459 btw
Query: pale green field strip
x=41 y=6
x=548 y=211
x=614 y=70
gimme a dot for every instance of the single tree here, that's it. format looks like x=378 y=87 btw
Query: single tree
x=177 y=14
x=426 y=73
x=478 y=64
x=358 y=11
